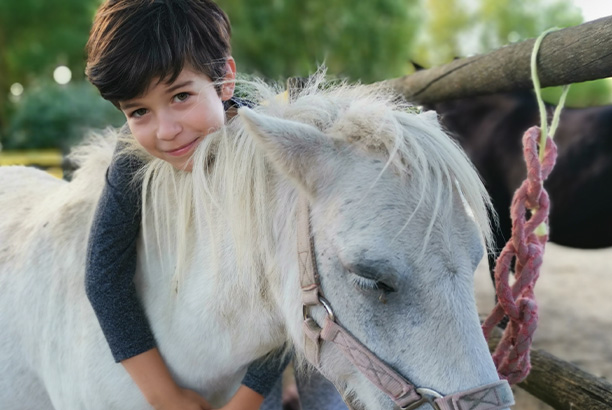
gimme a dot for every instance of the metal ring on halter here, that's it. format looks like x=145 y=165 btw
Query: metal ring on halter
x=325 y=304
x=427 y=396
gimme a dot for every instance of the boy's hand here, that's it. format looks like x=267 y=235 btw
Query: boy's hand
x=183 y=399
x=153 y=378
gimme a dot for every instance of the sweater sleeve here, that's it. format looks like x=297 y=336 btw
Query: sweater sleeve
x=263 y=373
x=111 y=262
x=111 y=266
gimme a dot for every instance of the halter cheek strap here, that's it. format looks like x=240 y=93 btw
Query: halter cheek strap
x=407 y=396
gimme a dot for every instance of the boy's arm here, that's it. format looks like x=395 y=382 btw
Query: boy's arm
x=261 y=377
x=109 y=283
x=111 y=262
x=152 y=377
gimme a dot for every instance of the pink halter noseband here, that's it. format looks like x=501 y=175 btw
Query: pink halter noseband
x=407 y=396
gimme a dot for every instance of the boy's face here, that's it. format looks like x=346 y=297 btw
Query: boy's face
x=170 y=120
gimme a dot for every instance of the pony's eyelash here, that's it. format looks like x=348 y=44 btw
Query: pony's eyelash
x=363 y=283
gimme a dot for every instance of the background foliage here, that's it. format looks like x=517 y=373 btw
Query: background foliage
x=55 y=116
x=360 y=40
x=35 y=37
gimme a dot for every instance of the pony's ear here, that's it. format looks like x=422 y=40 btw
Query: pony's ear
x=297 y=150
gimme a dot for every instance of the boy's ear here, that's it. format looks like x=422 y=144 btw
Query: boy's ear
x=229 y=80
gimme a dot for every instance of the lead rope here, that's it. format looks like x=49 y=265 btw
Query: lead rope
x=529 y=213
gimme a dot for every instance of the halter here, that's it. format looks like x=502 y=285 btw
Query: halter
x=407 y=396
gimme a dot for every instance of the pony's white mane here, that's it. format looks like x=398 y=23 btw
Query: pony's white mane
x=232 y=182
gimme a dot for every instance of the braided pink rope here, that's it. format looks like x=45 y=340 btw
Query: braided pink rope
x=511 y=356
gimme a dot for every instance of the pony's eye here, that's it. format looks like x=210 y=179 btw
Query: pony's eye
x=370 y=284
x=384 y=287
x=363 y=283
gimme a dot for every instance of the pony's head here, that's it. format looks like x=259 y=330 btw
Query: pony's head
x=399 y=220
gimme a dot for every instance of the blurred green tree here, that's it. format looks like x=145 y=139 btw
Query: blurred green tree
x=58 y=116
x=359 y=40
x=38 y=35
x=518 y=20
x=457 y=28
x=439 y=40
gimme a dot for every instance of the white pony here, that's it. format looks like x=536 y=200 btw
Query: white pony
x=398 y=219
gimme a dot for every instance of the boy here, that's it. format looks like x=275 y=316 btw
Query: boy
x=167 y=66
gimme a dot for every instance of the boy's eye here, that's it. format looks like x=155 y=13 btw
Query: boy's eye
x=138 y=113
x=181 y=96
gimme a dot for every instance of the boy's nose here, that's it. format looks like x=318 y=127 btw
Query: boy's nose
x=167 y=128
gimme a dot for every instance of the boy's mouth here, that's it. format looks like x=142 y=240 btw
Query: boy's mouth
x=183 y=149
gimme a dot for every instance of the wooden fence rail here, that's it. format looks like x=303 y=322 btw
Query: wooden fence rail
x=572 y=55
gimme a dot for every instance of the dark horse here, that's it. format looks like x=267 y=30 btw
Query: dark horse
x=490 y=129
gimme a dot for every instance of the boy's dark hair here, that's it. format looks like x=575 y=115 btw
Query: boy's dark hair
x=133 y=42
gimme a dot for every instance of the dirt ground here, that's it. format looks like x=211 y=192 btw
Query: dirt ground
x=574 y=294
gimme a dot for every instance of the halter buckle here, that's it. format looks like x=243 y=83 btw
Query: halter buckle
x=428 y=396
